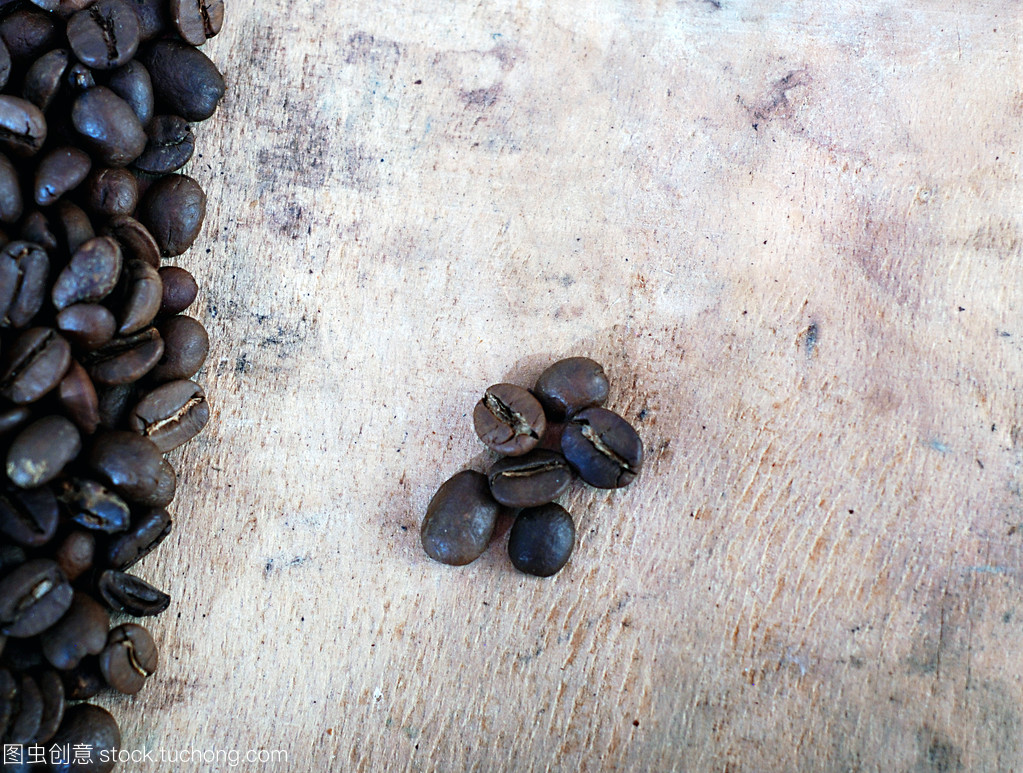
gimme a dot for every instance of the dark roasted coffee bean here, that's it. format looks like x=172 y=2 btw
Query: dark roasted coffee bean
x=10 y=192
x=131 y=595
x=541 y=540
x=530 y=480
x=179 y=290
x=184 y=79
x=35 y=228
x=173 y=210
x=90 y=276
x=167 y=483
x=28 y=517
x=27 y=713
x=92 y=733
x=460 y=519
x=129 y=462
x=32 y=598
x=24 y=268
x=79 y=77
x=197 y=20
x=14 y=419
x=152 y=16
x=509 y=419
x=115 y=402
x=125 y=359
x=80 y=632
x=111 y=192
x=186 y=345
x=41 y=451
x=135 y=240
x=87 y=325
x=84 y=681
x=602 y=448
x=35 y=364
x=145 y=292
x=22 y=126
x=76 y=553
x=59 y=171
x=78 y=397
x=147 y=531
x=171 y=144
x=105 y=35
x=52 y=689
x=108 y=126
x=172 y=414
x=129 y=658
x=27 y=33
x=42 y=81
x=570 y=385
x=5 y=64
x=94 y=506
x=73 y=225
x=132 y=84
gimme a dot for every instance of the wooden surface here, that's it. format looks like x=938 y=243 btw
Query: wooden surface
x=790 y=231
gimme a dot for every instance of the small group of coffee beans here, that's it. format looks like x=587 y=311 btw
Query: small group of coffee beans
x=97 y=103
x=546 y=437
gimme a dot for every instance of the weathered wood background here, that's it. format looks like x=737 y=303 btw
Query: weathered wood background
x=791 y=232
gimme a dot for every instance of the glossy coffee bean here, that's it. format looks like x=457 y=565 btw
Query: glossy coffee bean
x=152 y=15
x=27 y=33
x=130 y=463
x=83 y=681
x=541 y=540
x=132 y=84
x=59 y=171
x=166 y=485
x=35 y=364
x=126 y=593
x=90 y=276
x=26 y=714
x=24 y=268
x=197 y=20
x=509 y=420
x=114 y=404
x=129 y=658
x=14 y=419
x=105 y=35
x=148 y=530
x=602 y=448
x=79 y=77
x=90 y=731
x=184 y=79
x=11 y=203
x=108 y=126
x=135 y=240
x=94 y=506
x=179 y=290
x=109 y=191
x=126 y=358
x=81 y=631
x=35 y=228
x=76 y=553
x=171 y=144
x=460 y=519
x=173 y=210
x=52 y=690
x=32 y=598
x=570 y=385
x=78 y=398
x=186 y=345
x=72 y=225
x=145 y=293
x=44 y=76
x=87 y=325
x=40 y=452
x=29 y=517
x=22 y=126
x=530 y=480
x=171 y=415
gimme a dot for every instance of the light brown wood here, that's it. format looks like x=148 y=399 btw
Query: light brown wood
x=792 y=234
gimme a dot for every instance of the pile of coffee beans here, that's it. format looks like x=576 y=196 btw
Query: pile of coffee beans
x=97 y=102
x=546 y=437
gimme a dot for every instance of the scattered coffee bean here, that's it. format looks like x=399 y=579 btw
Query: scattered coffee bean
x=41 y=451
x=173 y=210
x=197 y=20
x=27 y=713
x=186 y=345
x=29 y=517
x=90 y=730
x=59 y=171
x=90 y=276
x=509 y=419
x=133 y=84
x=52 y=690
x=108 y=126
x=171 y=144
x=172 y=414
x=110 y=192
x=94 y=506
x=105 y=35
x=32 y=598
x=81 y=631
x=129 y=462
x=179 y=290
x=460 y=520
x=147 y=531
x=530 y=480
x=184 y=79
x=132 y=595
x=570 y=385
x=87 y=325
x=541 y=540
x=602 y=448
x=129 y=658
x=75 y=554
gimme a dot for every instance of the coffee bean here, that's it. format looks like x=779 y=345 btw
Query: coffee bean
x=184 y=79
x=59 y=171
x=186 y=345
x=460 y=519
x=72 y=225
x=35 y=228
x=94 y=506
x=171 y=144
x=27 y=713
x=152 y=16
x=24 y=267
x=90 y=731
x=109 y=192
x=135 y=240
x=165 y=487
x=78 y=398
x=35 y=364
x=22 y=126
x=108 y=126
x=131 y=595
x=196 y=20
x=14 y=419
x=133 y=84
x=10 y=192
x=602 y=448
x=90 y=276
x=5 y=64
x=570 y=385
x=81 y=631
x=129 y=462
x=28 y=517
x=541 y=540
x=147 y=531
x=145 y=292
x=509 y=420
x=27 y=33
x=105 y=35
x=76 y=553
x=173 y=210
x=179 y=290
x=87 y=325
x=125 y=359
x=52 y=690
x=43 y=79
x=171 y=415
x=114 y=404
x=41 y=451
x=83 y=681
x=79 y=78
x=32 y=598
x=530 y=480
x=129 y=658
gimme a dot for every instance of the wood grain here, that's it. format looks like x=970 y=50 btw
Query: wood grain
x=790 y=231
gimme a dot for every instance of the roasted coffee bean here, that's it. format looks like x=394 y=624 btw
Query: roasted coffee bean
x=90 y=276
x=78 y=398
x=27 y=712
x=79 y=77
x=602 y=448
x=114 y=404
x=24 y=267
x=129 y=462
x=129 y=658
x=72 y=225
x=125 y=359
x=43 y=79
x=35 y=228
x=166 y=485
x=184 y=79
x=197 y=20
x=132 y=84
x=76 y=553
x=186 y=345
x=5 y=64
x=135 y=240
x=92 y=732
x=87 y=325
x=10 y=192
x=145 y=292
x=108 y=126
x=570 y=385
x=81 y=631
x=152 y=15
x=27 y=33
x=83 y=681
x=171 y=144
x=14 y=419
x=541 y=540
x=52 y=689
x=173 y=210
x=147 y=531
x=28 y=517
x=460 y=519
x=105 y=35
x=32 y=598
x=111 y=192
x=179 y=290
x=131 y=595
x=172 y=414
x=94 y=506
x=40 y=452
x=22 y=126
x=59 y=171
x=509 y=420
x=35 y=364
x=530 y=480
